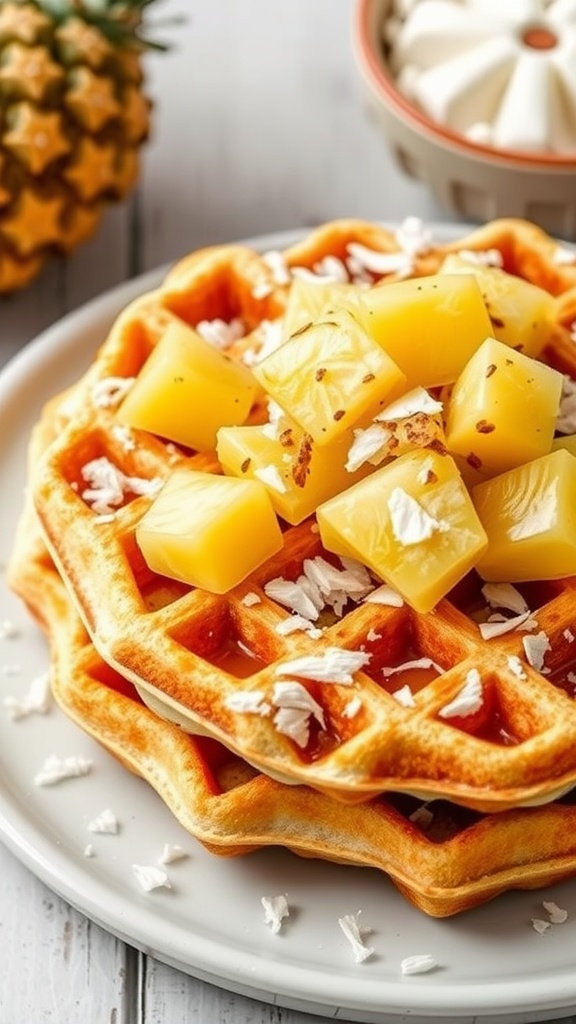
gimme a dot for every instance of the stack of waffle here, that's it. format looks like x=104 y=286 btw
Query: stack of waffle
x=453 y=815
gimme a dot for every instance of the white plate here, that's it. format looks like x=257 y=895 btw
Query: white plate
x=211 y=924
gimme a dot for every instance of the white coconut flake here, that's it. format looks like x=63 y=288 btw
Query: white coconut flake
x=556 y=914
x=37 y=701
x=351 y=929
x=330 y=580
x=351 y=709
x=8 y=630
x=568 y=635
x=295 y=707
x=413 y=236
x=251 y=598
x=483 y=257
x=334 y=267
x=89 y=850
x=123 y=434
x=151 y=877
x=292 y=595
x=55 y=769
x=275 y=260
x=108 y=485
x=111 y=391
x=250 y=702
x=418 y=963
x=105 y=823
x=540 y=926
x=469 y=699
x=536 y=647
x=411 y=524
x=414 y=663
x=172 y=852
x=275 y=910
x=505 y=595
x=563 y=256
x=306 y=274
x=415 y=401
x=220 y=333
x=368 y=444
x=497 y=627
x=296 y=624
x=271 y=477
x=516 y=667
x=334 y=665
x=385 y=595
x=405 y=697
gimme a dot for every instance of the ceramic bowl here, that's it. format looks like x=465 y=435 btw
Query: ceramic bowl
x=472 y=181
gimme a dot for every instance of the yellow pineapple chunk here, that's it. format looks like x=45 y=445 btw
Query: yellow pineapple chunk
x=567 y=441
x=327 y=375
x=503 y=408
x=429 y=326
x=411 y=522
x=298 y=473
x=187 y=389
x=529 y=514
x=307 y=301
x=522 y=314
x=208 y=531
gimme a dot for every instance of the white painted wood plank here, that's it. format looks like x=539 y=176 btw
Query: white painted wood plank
x=56 y=965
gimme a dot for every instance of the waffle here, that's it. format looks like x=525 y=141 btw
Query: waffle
x=173 y=641
x=443 y=858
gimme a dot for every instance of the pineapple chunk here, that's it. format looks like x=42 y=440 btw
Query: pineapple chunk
x=328 y=375
x=566 y=441
x=308 y=300
x=503 y=408
x=522 y=314
x=298 y=473
x=187 y=389
x=411 y=522
x=208 y=531
x=529 y=514
x=429 y=326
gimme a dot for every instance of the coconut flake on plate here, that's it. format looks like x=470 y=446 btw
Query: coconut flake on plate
x=275 y=910
x=351 y=928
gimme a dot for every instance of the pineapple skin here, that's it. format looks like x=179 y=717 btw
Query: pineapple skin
x=73 y=115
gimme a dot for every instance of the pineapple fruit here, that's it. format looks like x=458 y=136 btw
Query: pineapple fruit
x=72 y=118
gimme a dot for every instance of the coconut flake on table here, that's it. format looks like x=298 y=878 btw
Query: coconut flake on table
x=351 y=928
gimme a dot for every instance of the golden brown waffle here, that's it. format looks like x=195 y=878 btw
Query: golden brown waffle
x=173 y=642
x=443 y=858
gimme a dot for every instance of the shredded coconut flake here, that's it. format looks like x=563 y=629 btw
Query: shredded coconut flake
x=351 y=929
x=275 y=910
x=151 y=877
x=270 y=477
x=536 y=647
x=89 y=850
x=405 y=697
x=36 y=701
x=295 y=624
x=414 y=663
x=55 y=769
x=105 y=823
x=469 y=699
x=505 y=595
x=417 y=400
x=419 y=963
x=497 y=627
x=108 y=485
x=251 y=702
x=172 y=852
x=568 y=635
x=563 y=256
x=556 y=914
x=219 y=333
x=334 y=665
x=411 y=524
x=540 y=926
x=295 y=707
x=516 y=667
x=111 y=391
x=251 y=598
x=483 y=257
x=369 y=445
x=351 y=709
x=292 y=595
x=8 y=630
x=385 y=595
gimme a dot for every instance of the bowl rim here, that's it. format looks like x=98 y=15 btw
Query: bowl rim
x=372 y=62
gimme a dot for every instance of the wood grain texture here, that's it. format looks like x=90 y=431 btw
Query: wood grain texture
x=259 y=126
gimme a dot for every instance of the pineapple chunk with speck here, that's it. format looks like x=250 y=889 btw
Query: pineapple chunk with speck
x=412 y=523
x=307 y=301
x=529 y=514
x=503 y=408
x=208 y=531
x=521 y=313
x=187 y=389
x=429 y=326
x=327 y=375
x=298 y=473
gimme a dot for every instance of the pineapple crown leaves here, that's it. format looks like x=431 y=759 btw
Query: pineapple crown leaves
x=121 y=21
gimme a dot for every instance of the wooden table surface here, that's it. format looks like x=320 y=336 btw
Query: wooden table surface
x=259 y=126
